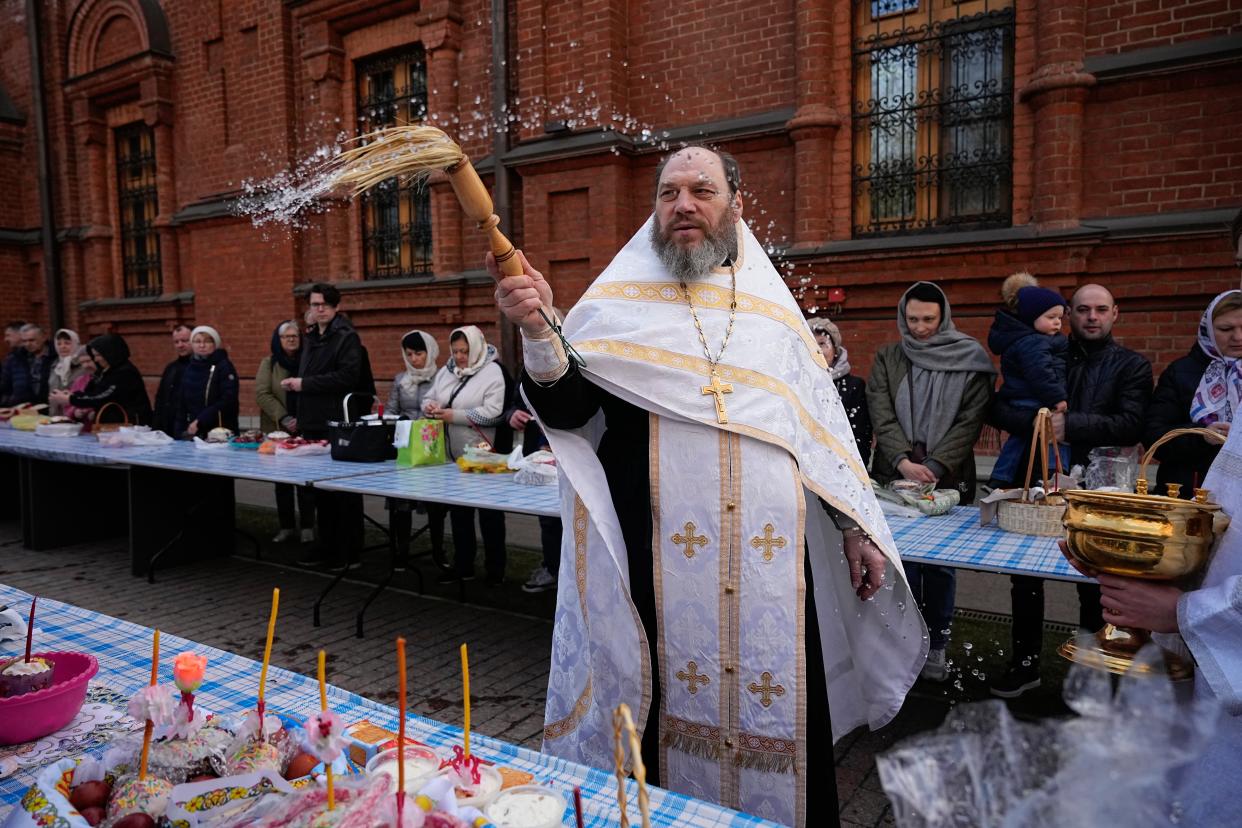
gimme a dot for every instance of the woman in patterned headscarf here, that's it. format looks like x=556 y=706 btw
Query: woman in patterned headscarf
x=1203 y=388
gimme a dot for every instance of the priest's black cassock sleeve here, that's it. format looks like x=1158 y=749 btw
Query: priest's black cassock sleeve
x=570 y=403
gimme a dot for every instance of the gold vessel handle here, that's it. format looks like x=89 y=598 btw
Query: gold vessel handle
x=1140 y=485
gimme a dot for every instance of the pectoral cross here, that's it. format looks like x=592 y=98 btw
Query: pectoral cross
x=766 y=689
x=693 y=677
x=689 y=540
x=767 y=542
x=718 y=389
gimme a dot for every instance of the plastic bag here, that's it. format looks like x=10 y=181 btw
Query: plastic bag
x=420 y=443
x=1109 y=766
x=1112 y=467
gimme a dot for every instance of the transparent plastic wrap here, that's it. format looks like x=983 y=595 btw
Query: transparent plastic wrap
x=1112 y=468
x=535 y=469
x=178 y=760
x=1111 y=765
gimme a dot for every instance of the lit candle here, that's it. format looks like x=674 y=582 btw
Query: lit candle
x=146 y=733
x=323 y=705
x=465 y=689
x=267 y=648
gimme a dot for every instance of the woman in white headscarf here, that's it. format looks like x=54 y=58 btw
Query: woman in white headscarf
x=66 y=369
x=410 y=389
x=469 y=394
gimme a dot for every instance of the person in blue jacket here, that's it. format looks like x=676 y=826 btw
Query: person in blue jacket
x=1026 y=335
x=207 y=398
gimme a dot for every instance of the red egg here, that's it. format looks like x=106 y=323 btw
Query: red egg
x=93 y=814
x=300 y=766
x=90 y=795
x=134 y=821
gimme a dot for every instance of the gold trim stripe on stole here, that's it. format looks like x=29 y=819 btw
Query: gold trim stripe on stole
x=800 y=699
x=582 y=518
x=562 y=727
x=657 y=574
x=730 y=612
x=708 y=296
x=728 y=373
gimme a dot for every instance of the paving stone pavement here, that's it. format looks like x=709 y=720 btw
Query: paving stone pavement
x=224 y=603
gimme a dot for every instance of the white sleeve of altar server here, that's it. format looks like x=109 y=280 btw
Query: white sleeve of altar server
x=1210 y=621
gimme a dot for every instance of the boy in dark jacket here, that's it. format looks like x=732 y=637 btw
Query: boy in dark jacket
x=1026 y=335
x=116 y=381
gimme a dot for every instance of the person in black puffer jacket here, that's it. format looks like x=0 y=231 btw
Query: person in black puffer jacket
x=116 y=381
x=334 y=364
x=852 y=389
x=1201 y=389
x=1109 y=389
x=207 y=396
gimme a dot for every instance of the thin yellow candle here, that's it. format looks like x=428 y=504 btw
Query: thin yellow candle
x=401 y=711
x=465 y=689
x=146 y=733
x=267 y=648
x=323 y=705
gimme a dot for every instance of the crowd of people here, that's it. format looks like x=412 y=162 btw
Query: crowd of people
x=917 y=418
x=303 y=383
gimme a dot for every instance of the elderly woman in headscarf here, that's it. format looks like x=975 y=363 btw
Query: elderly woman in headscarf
x=410 y=388
x=278 y=412
x=852 y=389
x=1204 y=389
x=66 y=369
x=208 y=397
x=469 y=395
x=929 y=394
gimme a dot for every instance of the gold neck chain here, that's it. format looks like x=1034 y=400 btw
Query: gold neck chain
x=707 y=351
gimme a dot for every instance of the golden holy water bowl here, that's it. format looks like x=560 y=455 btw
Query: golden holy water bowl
x=1159 y=538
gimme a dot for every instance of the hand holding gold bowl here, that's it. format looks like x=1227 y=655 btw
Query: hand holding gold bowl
x=1140 y=535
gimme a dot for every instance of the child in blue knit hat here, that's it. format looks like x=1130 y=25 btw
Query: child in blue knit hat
x=1026 y=335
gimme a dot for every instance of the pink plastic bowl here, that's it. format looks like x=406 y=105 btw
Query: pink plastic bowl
x=34 y=715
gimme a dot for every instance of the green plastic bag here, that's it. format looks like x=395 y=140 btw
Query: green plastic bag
x=425 y=446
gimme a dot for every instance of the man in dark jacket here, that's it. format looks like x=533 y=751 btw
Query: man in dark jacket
x=1109 y=389
x=28 y=367
x=170 y=383
x=334 y=364
x=116 y=381
x=13 y=352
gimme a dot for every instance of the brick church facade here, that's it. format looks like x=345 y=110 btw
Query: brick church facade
x=881 y=142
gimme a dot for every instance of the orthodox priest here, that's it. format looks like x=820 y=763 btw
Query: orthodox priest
x=724 y=572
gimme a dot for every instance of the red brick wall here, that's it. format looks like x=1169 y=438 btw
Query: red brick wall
x=1120 y=25
x=1162 y=144
x=249 y=95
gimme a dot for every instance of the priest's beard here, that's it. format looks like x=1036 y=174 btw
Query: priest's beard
x=689 y=264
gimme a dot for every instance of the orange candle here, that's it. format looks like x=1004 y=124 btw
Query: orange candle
x=146 y=733
x=465 y=686
x=267 y=648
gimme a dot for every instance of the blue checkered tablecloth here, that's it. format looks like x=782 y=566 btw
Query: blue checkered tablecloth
x=247 y=464
x=957 y=540
x=449 y=484
x=83 y=449
x=124 y=652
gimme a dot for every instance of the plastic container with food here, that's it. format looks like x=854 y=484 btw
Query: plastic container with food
x=527 y=806
x=420 y=763
x=478 y=795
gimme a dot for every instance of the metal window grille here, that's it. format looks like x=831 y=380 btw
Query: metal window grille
x=396 y=215
x=932 y=115
x=139 y=205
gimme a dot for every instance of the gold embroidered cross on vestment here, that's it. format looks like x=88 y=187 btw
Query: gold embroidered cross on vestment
x=766 y=689
x=767 y=542
x=693 y=677
x=689 y=540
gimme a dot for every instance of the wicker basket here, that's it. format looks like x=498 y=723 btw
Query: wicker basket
x=623 y=722
x=107 y=427
x=1028 y=517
